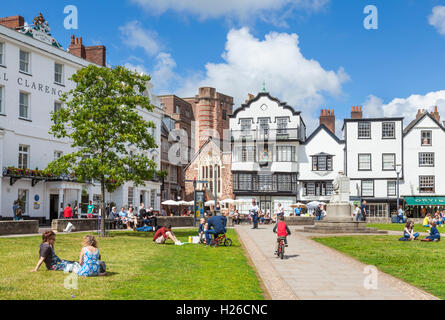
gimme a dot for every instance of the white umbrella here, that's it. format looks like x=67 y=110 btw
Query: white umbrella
x=170 y=203
x=183 y=203
x=210 y=203
x=314 y=204
x=229 y=201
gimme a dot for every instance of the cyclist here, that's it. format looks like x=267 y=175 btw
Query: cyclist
x=217 y=225
x=282 y=231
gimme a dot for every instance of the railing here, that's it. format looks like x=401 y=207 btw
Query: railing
x=266 y=134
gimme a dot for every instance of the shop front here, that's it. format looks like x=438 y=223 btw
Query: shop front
x=419 y=207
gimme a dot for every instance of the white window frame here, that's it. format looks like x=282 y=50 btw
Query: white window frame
x=368 y=194
x=2 y=54
x=28 y=62
x=2 y=100
x=22 y=153
x=393 y=156
x=61 y=74
x=360 y=163
x=389 y=187
x=130 y=196
x=28 y=109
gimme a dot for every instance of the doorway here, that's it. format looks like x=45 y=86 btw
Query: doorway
x=265 y=206
x=53 y=207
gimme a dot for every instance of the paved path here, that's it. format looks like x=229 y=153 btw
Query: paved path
x=312 y=271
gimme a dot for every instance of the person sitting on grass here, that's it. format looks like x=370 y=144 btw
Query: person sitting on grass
x=434 y=233
x=203 y=227
x=427 y=221
x=165 y=233
x=47 y=255
x=408 y=232
x=437 y=219
x=217 y=225
x=89 y=258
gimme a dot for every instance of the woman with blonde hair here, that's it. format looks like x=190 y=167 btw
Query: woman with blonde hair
x=89 y=258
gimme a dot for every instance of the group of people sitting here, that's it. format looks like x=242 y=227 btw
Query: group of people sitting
x=132 y=220
x=89 y=263
x=215 y=226
x=438 y=218
x=409 y=234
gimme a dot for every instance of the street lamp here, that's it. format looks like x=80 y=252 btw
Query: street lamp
x=398 y=171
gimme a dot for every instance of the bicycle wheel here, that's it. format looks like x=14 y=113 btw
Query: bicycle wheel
x=282 y=251
x=228 y=242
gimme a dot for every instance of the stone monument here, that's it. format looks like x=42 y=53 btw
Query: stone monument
x=339 y=212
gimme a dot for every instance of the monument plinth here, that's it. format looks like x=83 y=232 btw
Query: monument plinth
x=339 y=212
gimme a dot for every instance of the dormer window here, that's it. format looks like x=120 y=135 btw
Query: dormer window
x=322 y=162
x=282 y=125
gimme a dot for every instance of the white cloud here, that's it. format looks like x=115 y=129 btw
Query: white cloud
x=437 y=19
x=405 y=107
x=139 y=68
x=239 y=9
x=278 y=61
x=163 y=74
x=135 y=36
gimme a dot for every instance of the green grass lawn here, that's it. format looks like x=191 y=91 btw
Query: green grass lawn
x=137 y=269
x=418 y=263
x=401 y=226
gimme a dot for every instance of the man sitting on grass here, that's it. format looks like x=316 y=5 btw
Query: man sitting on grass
x=165 y=233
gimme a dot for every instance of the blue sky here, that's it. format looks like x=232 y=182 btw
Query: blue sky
x=320 y=55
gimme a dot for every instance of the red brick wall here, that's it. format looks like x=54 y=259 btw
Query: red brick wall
x=96 y=54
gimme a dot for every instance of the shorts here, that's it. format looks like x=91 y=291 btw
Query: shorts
x=161 y=239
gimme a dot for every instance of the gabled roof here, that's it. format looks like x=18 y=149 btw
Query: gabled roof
x=321 y=154
x=265 y=94
x=416 y=121
x=200 y=150
x=323 y=127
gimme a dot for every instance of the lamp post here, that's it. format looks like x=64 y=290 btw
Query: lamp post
x=398 y=171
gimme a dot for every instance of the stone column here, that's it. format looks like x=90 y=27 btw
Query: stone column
x=60 y=205
x=79 y=200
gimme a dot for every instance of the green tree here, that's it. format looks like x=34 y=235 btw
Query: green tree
x=101 y=118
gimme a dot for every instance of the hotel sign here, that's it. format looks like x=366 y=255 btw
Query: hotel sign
x=32 y=85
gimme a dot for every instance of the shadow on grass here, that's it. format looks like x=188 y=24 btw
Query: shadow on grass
x=111 y=274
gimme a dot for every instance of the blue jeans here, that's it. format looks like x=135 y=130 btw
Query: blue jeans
x=416 y=235
x=208 y=235
x=400 y=219
x=434 y=237
x=255 y=221
x=318 y=218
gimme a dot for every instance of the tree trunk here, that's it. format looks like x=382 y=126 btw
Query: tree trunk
x=102 y=208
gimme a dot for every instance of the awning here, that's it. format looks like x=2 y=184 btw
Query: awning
x=425 y=201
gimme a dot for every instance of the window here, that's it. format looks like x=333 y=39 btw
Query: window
x=377 y=210
x=388 y=130
x=284 y=182
x=244 y=154
x=2 y=53
x=177 y=110
x=317 y=189
x=368 y=188
x=391 y=188
x=2 y=99
x=322 y=163
x=173 y=174
x=264 y=125
x=224 y=115
x=364 y=130
x=24 y=62
x=23 y=200
x=23 y=157
x=426 y=159
x=130 y=196
x=282 y=125
x=265 y=182
x=426 y=138
x=245 y=181
x=389 y=161
x=153 y=199
x=245 y=124
x=426 y=184
x=364 y=162
x=57 y=155
x=58 y=73
x=57 y=107
x=24 y=105
x=285 y=153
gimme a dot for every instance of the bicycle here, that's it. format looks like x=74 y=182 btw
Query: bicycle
x=222 y=240
x=280 y=247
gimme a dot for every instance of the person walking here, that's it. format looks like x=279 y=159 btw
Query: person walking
x=400 y=214
x=254 y=213
x=363 y=211
x=319 y=212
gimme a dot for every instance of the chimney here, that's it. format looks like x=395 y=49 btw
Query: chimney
x=356 y=112
x=435 y=114
x=420 y=113
x=14 y=22
x=249 y=97
x=94 y=54
x=327 y=118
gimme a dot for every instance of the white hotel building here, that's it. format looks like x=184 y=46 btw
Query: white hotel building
x=34 y=72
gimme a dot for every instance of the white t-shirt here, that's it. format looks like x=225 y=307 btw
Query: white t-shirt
x=253 y=209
